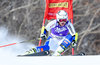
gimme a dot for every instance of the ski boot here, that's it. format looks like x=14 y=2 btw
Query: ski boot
x=31 y=51
x=38 y=49
x=58 y=51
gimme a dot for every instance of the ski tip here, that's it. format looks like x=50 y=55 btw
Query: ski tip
x=20 y=55
x=80 y=54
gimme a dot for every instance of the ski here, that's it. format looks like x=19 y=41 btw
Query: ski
x=80 y=54
x=44 y=53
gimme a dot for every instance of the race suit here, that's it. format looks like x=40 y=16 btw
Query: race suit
x=57 y=35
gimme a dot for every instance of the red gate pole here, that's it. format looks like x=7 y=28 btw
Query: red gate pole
x=42 y=30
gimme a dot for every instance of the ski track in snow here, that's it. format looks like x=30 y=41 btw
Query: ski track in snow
x=8 y=55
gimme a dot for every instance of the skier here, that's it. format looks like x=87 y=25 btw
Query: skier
x=61 y=36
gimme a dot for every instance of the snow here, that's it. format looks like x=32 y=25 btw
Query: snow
x=48 y=60
x=8 y=55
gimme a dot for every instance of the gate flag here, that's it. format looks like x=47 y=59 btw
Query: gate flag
x=53 y=6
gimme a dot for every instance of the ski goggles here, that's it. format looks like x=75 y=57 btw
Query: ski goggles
x=63 y=20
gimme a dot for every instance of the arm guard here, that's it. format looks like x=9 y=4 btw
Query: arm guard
x=72 y=31
x=71 y=28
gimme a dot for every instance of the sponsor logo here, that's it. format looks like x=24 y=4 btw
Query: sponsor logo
x=63 y=4
x=66 y=42
x=52 y=14
x=60 y=29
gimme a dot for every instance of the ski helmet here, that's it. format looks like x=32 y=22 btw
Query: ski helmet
x=61 y=15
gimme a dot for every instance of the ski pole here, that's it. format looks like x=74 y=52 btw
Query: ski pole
x=14 y=43
x=42 y=31
x=8 y=45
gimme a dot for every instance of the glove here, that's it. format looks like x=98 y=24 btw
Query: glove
x=75 y=38
x=73 y=43
x=43 y=36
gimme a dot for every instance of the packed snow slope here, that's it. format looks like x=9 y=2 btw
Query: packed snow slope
x=8 y=55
